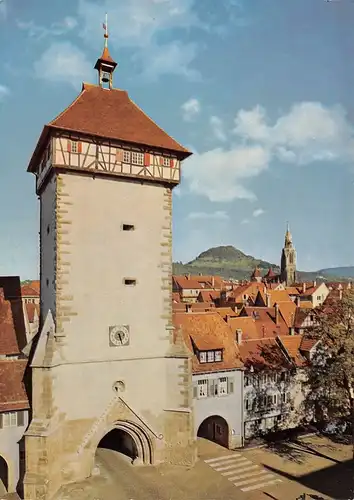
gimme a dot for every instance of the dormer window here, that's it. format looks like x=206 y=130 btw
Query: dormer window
x=210 y=356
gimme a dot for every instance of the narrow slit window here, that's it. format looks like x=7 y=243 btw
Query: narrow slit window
x=129 y=281
x=128 y=227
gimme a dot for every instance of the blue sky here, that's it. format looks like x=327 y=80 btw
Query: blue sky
x=260 y=90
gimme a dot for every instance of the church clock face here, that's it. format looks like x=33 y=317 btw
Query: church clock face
x=119 y=335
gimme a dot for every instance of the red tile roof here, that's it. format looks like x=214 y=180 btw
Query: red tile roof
x=208 y=331
x=109 y=114
x=307 y=344
x=28 y=291
x=208 y=296
x=194 y=307
x=263 y=353
x=291 y=345
x=8 y=337
x=247 y=325
x=265 y=321
x=12 y=390
x=35 y=284
x=31 y=309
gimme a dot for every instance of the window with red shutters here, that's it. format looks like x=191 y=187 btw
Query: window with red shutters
x=146 y=159
x=79 y=147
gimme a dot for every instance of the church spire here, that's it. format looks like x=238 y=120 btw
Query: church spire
x=105 y=65
x=288 y=236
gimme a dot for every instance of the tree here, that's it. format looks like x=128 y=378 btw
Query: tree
x=330 y=381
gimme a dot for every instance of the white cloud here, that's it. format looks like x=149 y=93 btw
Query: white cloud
x=63 y=62
x=309 y=132
x=55 y=29
x=3 y=10
x=141 y=25
x=218 y=215
x=218 y=174
x=190 y=109
x=4 y=92
x=174 y=58
x=245 y=221
x=217 y=127
x=258 y=212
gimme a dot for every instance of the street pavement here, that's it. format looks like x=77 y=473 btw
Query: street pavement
x=219 y=474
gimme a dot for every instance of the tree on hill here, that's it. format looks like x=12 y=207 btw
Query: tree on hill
x=331 y=372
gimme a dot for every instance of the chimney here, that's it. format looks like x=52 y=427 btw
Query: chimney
x=239 y=336
x=227 y=318
x=268 y=300
x=297 y=301
x=340 y=294
x=188 y=308
x=349 y=285
x=276 y=307
x=212 y=281
x=292 y=330
x=304 y=287
x=314 y=283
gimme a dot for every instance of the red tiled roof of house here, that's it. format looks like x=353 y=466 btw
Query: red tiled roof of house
x=31 y=309
x=194 y=307
x=262 y=353
x=8 y=337
x=12 y=390
x=208 y=331
x=265 y=321
x=306 y=304
x=247 y=325
x=291 y=344
x=208 y=296
x=292 y=290
x=186 y=283
x=288 y=312
x=110 y=115
x=36 y=285
x=226 y=311
x=307 y=344
x=249 y=289
x=28 y=291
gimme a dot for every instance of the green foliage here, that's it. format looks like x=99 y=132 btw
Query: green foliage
x=331 y=373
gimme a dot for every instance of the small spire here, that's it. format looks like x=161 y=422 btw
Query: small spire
x=105 y=65
x=288 y=237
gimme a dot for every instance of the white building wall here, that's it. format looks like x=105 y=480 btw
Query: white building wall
x=229 y=407
x=9 y=450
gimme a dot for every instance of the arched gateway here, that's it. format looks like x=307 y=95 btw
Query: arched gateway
x=131 y=440
x=215 y=429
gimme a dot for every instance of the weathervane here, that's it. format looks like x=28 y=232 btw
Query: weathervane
x=105 y=27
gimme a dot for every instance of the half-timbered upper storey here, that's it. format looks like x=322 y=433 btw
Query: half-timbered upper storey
x=104 y=132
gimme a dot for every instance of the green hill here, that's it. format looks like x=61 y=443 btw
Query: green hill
x=229 y=262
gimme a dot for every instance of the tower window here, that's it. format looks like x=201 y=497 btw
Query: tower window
x=137 y=158
x=47 y=282
x=48 y=229
x=128 y=227
x=126 y=156
x=129 y=281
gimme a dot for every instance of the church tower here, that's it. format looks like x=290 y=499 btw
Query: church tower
x=107 y=357
x=288 y=260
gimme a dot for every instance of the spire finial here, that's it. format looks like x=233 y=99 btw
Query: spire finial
x=105 y=27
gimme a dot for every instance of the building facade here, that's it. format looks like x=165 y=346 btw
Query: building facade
x=109 y=364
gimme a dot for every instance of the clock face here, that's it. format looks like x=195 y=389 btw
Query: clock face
x=119 y=335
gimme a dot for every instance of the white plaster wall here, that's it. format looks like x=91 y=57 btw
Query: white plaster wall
x=229 y=406
x=102 y=255
x=48 y=250
x=9 y=450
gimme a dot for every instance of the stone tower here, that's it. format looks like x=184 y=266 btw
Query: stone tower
x=288 y=260
x=106 y=358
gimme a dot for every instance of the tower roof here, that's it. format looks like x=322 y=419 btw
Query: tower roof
x=109 y=115
x=270 y=273
x=105 y=58
x=256 y=273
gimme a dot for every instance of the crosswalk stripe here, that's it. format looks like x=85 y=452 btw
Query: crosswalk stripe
x=234 y=466
x=247 y=481
x=240 y=470
x=211 y=460
x=229 y=462
x=248 y=474
x=254 y=487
